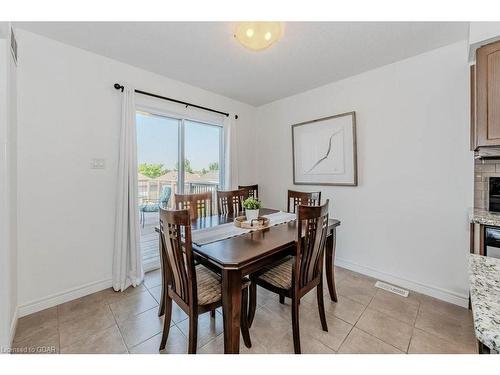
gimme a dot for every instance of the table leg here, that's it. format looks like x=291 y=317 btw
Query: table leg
x=231 y=306
x=330 y=256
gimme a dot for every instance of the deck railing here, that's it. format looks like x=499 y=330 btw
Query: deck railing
x=150 y=190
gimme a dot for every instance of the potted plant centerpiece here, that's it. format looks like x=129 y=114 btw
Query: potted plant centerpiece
x=252 y=206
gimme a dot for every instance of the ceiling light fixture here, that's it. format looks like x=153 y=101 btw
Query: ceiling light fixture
x=258 y=35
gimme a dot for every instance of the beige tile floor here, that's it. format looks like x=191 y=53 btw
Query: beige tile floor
x=365 y=320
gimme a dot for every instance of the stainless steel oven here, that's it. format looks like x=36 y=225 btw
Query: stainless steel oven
x=492 y=241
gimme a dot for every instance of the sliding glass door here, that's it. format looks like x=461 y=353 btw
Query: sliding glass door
x=157 y=158
x=174 y=155
x=203 y=158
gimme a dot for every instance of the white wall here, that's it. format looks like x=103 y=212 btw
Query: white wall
x=8 y=195
x=12 y=166
x=406 y=222
x=481 y=33
x=4 y=217
x=69 y=112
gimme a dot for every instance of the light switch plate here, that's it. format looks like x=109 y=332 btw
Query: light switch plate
x=98 y=164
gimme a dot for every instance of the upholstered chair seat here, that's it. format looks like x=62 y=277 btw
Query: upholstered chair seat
x=279 y=275
x=210 y=286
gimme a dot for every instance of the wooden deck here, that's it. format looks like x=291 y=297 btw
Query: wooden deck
x=149 y=242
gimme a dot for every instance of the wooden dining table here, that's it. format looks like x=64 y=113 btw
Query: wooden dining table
x=236 y=257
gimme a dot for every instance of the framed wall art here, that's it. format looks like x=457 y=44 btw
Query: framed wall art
x=324 y=151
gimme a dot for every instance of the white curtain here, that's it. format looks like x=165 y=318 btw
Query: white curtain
x=127 y=260
x=231 y=179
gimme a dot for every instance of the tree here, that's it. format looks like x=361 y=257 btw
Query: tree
x=212 y=167
x=187 y=166
x=152 y=170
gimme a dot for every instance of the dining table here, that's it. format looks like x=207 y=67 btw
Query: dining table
x=236 y=257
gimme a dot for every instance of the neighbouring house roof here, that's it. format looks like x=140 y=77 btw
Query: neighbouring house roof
x=140 y=177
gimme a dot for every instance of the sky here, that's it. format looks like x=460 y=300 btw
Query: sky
x=157 y=142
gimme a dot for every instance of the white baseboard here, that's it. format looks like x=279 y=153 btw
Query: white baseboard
x=442 y=294
x=13 y=326
x=65 y=296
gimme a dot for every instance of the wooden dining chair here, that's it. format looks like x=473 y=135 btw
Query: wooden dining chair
x=299 y=274
x=296 y=198
x=195 y=289
x=253 y=190
x=231 y=202
x=199 y=205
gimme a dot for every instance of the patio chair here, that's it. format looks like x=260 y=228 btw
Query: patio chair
x=153 y=205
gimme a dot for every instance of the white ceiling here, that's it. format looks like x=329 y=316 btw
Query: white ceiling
x=205 y=54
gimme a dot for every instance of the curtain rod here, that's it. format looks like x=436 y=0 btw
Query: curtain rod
x=117 y=86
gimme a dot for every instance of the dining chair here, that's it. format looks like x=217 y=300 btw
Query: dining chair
x=296 y=198
x=231 y=202
x=253 y=190
x=195 y=289
x=297 y=275
x=199 y=205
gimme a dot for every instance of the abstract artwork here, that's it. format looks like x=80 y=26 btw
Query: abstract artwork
x=324 y=151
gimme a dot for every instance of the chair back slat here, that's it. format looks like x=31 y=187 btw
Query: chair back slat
x=199 y=205
x=296 y=198
x=253 y=190
x=231 y=202
x=312 y=224
x=174 y=225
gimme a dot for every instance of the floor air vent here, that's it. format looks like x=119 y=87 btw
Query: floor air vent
x=391 y=288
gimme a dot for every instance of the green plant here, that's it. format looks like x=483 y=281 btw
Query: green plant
x=152 y=170
x=213 y=166
x=187 y=166
x=252 y=203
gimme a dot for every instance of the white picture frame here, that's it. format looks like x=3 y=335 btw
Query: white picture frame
x=324 y=151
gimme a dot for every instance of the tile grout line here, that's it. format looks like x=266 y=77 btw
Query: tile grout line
x=354 y=325
x=413 y=326
x=173 y=323
x=117 y=325
x=447 y=340
x=58 y=330
x=413 y=330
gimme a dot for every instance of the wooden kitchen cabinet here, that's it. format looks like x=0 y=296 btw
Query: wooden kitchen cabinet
x=473 y=140
x=487 y=98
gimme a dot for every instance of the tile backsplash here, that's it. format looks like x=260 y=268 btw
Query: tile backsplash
x=483 y=169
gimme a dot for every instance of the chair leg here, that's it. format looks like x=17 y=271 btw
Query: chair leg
x=253 y=303
x=295 y=325
x=166 y=322
x=212 y=314
x=244 y=318
x=161 y=306
x=193 y=334
x=321 y=306
x=282 y=299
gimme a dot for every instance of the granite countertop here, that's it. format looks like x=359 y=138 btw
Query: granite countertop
x=484 y=276
x=485 y=217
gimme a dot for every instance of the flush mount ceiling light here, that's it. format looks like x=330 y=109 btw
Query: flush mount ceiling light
x=258 y=35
